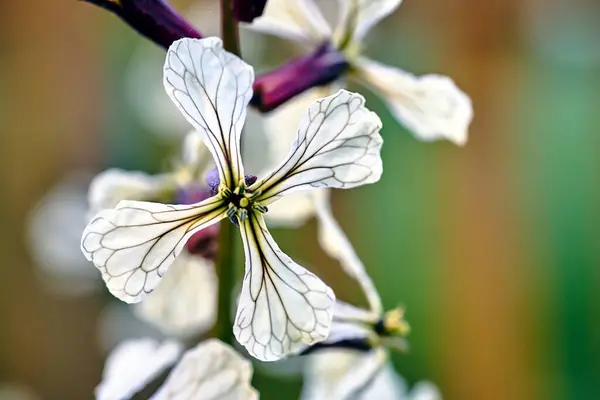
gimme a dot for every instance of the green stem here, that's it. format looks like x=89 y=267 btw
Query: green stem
x=227 y=240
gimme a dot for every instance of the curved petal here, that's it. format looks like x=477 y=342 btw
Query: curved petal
x=212 y=89
x=334 y=242
x=281 y=303
x=338 y=145
x=110 y=187
x=342 y=374
x=431 y=106
x=133 y=364
x=135 y=243
x=297 y=20
x=276 y=132
x=210 y=371
x=185 y=301
x=359 y=16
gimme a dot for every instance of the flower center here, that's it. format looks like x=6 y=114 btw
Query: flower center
x=241 y=202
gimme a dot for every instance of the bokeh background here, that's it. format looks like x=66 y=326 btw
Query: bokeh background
x=493 y=248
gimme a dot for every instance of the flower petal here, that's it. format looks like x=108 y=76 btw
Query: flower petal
x=185 y=301
x=343 y=374
x=210 y=371
x=212 y=89
x=361 y=15
x=114 y=185
x=334 y=242
x=133 y=364
x=432 y=106
x=281 y=303
x=338 y=145
x=297 y=20
x=135 y=243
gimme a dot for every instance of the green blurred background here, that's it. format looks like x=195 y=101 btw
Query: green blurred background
x=493 y=248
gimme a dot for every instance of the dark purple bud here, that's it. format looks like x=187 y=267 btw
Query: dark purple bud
x=154 y=19
x=204 y=243
x=323 y=66
x=247 y=10
x=213 y=180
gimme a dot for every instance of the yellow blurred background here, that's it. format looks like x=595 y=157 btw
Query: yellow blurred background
x=493 y=248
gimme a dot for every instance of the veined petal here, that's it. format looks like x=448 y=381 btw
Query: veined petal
x=335 y=243
x=338 y=145
x=281 y=303
x=431 y=106
x=135 y=243
x=210 y=371
x=357 y=17
x=297 y=20
x=212 y=89
x=109 y=187
x=185 y=301
x=133 y=364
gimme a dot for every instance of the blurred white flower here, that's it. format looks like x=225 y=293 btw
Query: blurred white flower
x=61 y=267
x=431 y=106
x=281 y=303
x=185 y=301
x=342 y=374
x=210 y=371
x=133 y=364
x=353 y=363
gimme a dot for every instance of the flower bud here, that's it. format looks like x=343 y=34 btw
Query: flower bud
x=323 y=66
x=154 y=19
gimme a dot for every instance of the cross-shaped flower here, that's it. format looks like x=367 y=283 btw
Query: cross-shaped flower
x=431 y=106
x=281 y=304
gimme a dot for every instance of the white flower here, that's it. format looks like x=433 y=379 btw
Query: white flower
x=341 y=374
x=281 y=304
x=61 y=268
x=185 y=301
x=133 y=364
x=210 y=371
x=353 y=363
x=431 y=106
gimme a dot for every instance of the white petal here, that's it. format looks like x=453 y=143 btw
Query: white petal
x=425 y=391
x=334 y=242
x=210 y=371
x=361 y=15
x=212 y=89
x=133 y=364
x=347 y=312
x=297 y=20
x=113 y=185
x=340 y=373
x=338 y=145
x=281 y=303
x=195 y=156
x=276 y=132
x=134 y=244
x=431 y=106
x=185 y=301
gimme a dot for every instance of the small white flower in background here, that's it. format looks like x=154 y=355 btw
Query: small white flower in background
x=60 y=267
x=210 y=371
x=340 y=374
x=185 y=301
x=353 y=362
x=431 y=106
x=281 y=304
